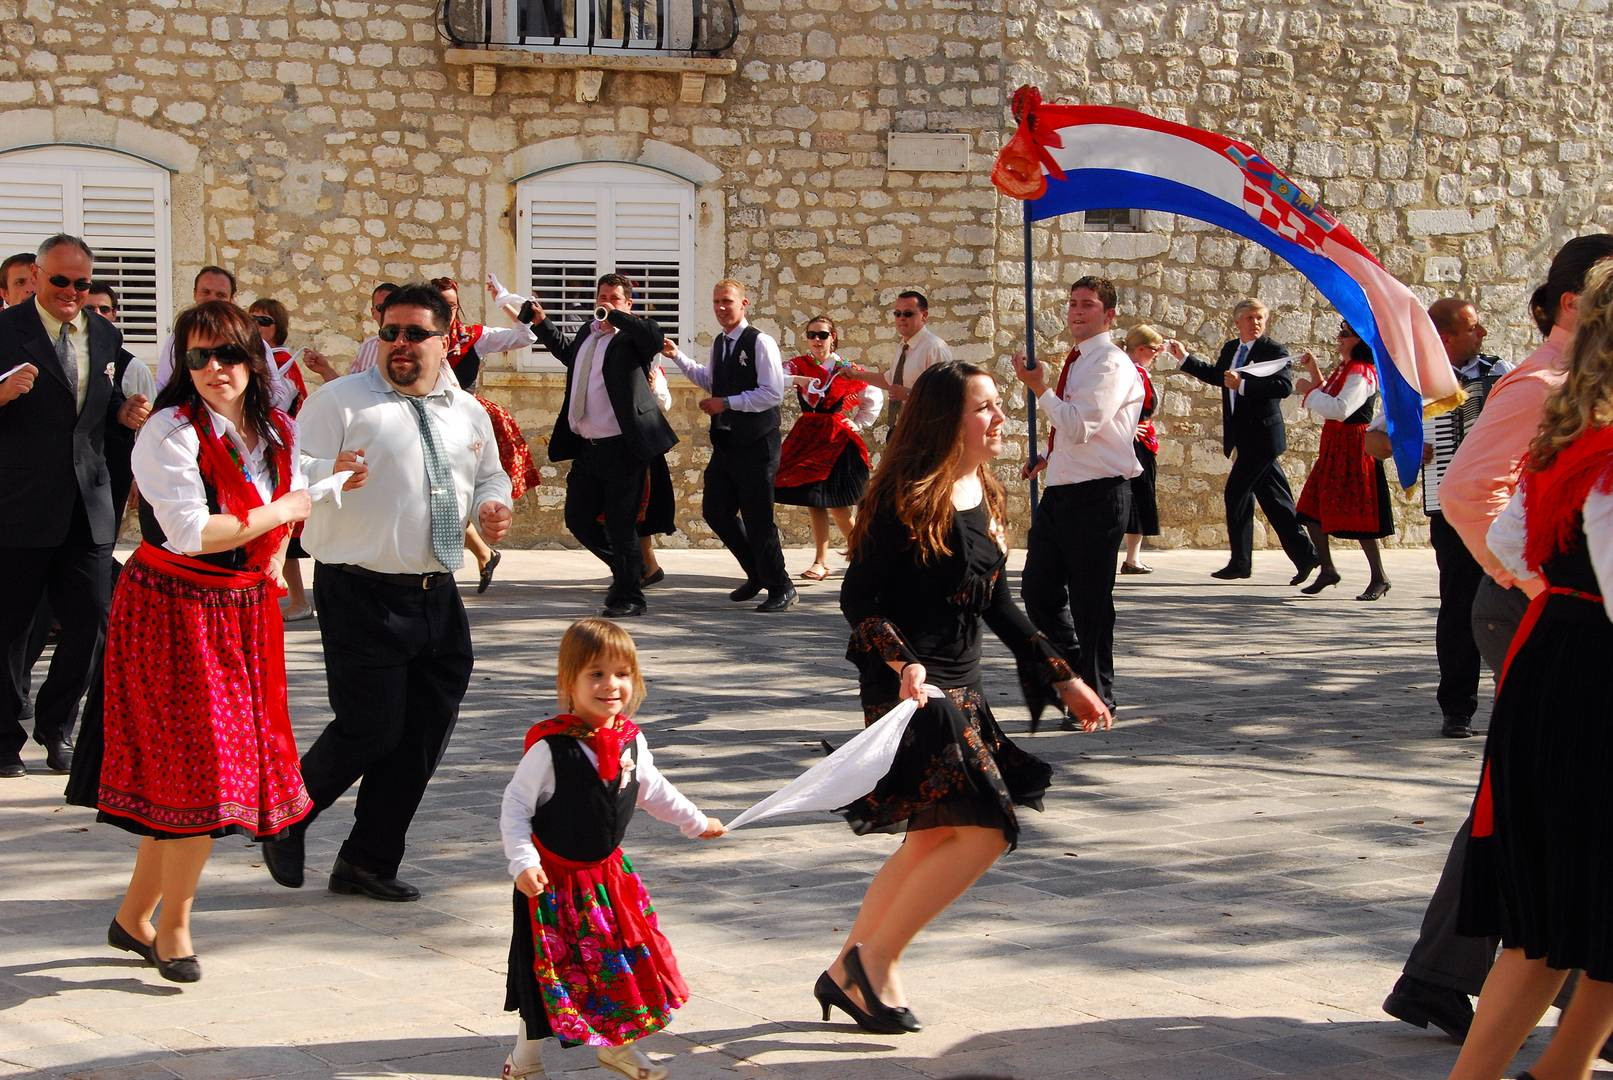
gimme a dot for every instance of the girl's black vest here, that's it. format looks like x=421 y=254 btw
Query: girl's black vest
x=585 y=819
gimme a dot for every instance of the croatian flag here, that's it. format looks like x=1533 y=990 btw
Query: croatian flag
x=1066 y=158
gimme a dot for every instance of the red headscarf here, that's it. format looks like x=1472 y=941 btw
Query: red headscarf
x=606 y=741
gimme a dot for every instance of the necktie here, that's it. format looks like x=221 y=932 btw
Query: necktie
x=579 y=382
x=1237 y=362
x=1064 y=380
x=447 y=532
x=68 y=358
x=896 y=380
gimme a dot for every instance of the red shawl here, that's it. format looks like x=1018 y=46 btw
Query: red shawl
x=1554 y=497
x=223 y=471
x=606 y=742
x=1334 y=383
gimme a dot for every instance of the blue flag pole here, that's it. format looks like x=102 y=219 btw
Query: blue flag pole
x=1030 y=354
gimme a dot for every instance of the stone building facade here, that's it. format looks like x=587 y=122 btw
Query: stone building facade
x=318 y=146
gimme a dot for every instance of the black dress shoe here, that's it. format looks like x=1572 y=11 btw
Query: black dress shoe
x=653 y=579
x=12 y=766
x=1232 y=573
x=350 y=880
x=778 y=601
x=1455 y=727
x=624 y=610
x=119 y=938
x=751 y=588
x=1303 y=571
x=284 y=858
x=59 y=756
x=181 y=969
x=1422 y=1003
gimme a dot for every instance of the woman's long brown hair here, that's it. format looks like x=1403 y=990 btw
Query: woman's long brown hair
x=915 y=475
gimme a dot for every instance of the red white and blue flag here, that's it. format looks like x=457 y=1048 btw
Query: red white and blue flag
x=1066 y=158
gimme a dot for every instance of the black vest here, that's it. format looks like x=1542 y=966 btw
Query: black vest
x=736 y=374
x=151 y=532
x=585 y=819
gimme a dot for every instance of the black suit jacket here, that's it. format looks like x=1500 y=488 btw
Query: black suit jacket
x=627 y=363
x=51 y=453
x=1255 y=428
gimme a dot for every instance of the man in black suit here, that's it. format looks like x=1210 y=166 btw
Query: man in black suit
x=1252 y=424
x=610 y=430
x=57 y=524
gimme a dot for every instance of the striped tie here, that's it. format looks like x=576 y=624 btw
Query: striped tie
x=447 y=532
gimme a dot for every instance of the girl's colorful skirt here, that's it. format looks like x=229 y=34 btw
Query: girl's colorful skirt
x=1346 y=494
x=187 y=734
x=588 y=962
x=513 y=452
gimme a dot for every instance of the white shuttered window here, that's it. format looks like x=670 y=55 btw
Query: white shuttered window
x=118 y=204
x=578 y=223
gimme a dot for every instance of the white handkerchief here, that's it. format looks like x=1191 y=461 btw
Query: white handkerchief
x=845 y=775
x=13 y=371
x=330 y=488
x=1263 y=368
x=504 y=296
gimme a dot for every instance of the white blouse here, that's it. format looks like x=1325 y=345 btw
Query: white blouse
x=170 y=478
x=1356 y=392
x=533 y=785
x=1507 y=536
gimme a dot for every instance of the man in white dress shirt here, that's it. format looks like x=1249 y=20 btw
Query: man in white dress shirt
x=396 y=640
x=217 y=283
x=745 y=381
x=920 y=347
x=1069 y=580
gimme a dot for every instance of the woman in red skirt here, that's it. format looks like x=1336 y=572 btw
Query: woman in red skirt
x=1346 y=494
x=823 y=464
x=194 y=739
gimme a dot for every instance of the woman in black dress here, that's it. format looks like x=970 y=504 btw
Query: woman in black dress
x=927 y=559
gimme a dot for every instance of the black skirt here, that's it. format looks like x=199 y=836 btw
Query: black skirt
x=521 y=993
x=844 y=486
x=1144 y=517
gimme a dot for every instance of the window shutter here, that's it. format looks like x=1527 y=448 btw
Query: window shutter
x=648 y=244
x=121 y=215
x=33 y=205
x=562 y=242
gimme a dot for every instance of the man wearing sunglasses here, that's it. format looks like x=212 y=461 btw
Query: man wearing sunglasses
x=920 y=348
x=397 y=643
x=217 y=283
x=57 y=523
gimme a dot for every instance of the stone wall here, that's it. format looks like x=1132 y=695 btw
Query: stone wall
x=320 y=145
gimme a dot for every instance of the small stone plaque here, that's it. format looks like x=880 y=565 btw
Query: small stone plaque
x=927 y=151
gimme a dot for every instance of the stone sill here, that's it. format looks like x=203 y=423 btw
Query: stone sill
x=654 y=63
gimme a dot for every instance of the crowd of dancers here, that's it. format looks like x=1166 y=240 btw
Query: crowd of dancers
x=387 y=474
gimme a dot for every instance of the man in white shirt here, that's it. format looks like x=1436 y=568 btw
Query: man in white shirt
x=397 y=644
x=1069 y=579
x=745 y=381
x=217 y=283
x=920 y=347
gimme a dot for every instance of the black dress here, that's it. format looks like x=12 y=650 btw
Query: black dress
x=955 y=766
x=1538 y=862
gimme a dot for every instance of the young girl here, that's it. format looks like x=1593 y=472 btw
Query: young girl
x=588 y=963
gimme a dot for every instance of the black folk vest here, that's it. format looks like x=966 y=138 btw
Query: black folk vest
x=735 y=373
x=585 y=819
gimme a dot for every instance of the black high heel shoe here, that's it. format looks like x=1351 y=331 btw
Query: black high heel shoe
x=899 y=1015
x=1325 y=580
x=829 y=995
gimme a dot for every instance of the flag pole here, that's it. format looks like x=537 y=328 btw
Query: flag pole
x=1030 y=352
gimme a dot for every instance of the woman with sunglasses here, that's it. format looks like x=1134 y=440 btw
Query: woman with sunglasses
x=194 y=739
x=274 y=323
x=823 y=464
x=467 y=344
x=1346 y=494
x=1143 y=344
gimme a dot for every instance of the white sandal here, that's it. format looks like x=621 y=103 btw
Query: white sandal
x=628 y=1060
x=512 y=1071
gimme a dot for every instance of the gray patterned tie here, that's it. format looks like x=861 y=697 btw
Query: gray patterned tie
x=896 y=380
x=447 y=534
x=68 y=357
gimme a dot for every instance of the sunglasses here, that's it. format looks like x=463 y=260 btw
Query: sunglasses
x=226 y=355
x=819 y=335
x=102 y=309
x=263 y=320
x=62 y=281
x=413 y=334
x=904 y=313
x=1345 y=331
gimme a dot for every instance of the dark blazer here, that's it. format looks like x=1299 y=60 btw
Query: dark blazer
x=627 y=363
x=1255 y=428
x=51 y=454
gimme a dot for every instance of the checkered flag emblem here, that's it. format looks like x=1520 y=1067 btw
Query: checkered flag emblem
x=1281 y=217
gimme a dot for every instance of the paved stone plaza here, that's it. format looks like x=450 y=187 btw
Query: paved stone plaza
x=1222 y=887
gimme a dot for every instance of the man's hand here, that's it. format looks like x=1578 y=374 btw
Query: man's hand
x=352 y=461
x=1428 y=452
x=493 y=521
x=1232 y=380
x=316 y=363
x=896 y=392
x=1032 y=467
x=711 y=406
x=532 y=881
x=1177 y=350
x=135 y=412
x=1034 y=378
x=669 y=348
x=18 y=383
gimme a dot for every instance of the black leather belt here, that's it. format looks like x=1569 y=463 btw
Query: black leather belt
x=406 y=581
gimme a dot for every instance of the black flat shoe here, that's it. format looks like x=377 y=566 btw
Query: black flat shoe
x=747 y=591
x=1325 y=580
x=487 y=571
x=59 y=756
x=12 y=767
x=1302 y=572
x=1455 y=727
x=1376 y=590
x=1135 y=568
x=829 y=994
x=181 y=969
x=900 y=1015
x=1232 y=573
x=652 y=579
x=780 y=600
x=119 y=938
x=350 y=880
x=624 y=611
x=283 y=856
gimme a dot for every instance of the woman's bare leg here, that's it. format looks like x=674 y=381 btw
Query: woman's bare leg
x=182 y=862
x=820 y=535
x=1134 y=549
x=646 y=550
x=845 y=517
x=1582 y=1031
x=296 y=593
x=1374 y=555
x=140 y=899
x=1514 y=998
x=477 y=546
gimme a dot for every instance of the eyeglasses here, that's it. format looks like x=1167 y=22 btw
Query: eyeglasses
x=412 y=334
x=1345 y=331
x=904 y=313
x=226 y=355
x=102 y=309
x=263 y=320
x=819 y=335
x=62 y=281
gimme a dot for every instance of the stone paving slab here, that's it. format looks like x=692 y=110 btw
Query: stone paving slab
x=1222 y=887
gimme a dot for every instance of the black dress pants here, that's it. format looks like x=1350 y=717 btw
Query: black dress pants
x=1261 y=479
x=1069 y=581
x=1454 y=647
x=607 y=479
x=72 y=576
x=738 y=506
x=397 y=662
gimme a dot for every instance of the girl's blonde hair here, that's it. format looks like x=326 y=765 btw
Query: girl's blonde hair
x=1142 y=334
x=587 y=640
x=1585 y=400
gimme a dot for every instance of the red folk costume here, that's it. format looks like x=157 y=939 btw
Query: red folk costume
x=513 y=452
x=824 y=461
x=197 y=738
x=1346 y=492
x=1150 y=437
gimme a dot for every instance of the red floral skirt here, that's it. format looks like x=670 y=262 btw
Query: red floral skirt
x=197 y=740
x=1346 y=493
x=594 y=956
x=513 y=452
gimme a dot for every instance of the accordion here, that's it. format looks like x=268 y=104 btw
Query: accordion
x=1446 y=431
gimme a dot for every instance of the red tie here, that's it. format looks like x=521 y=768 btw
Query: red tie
x=1064 y=378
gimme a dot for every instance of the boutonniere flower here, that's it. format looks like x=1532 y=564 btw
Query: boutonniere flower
x=476 y=446
x=110 y=369
x=744 y=359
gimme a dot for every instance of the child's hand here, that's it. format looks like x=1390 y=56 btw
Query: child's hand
x=714 y=829
x=532 y=881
